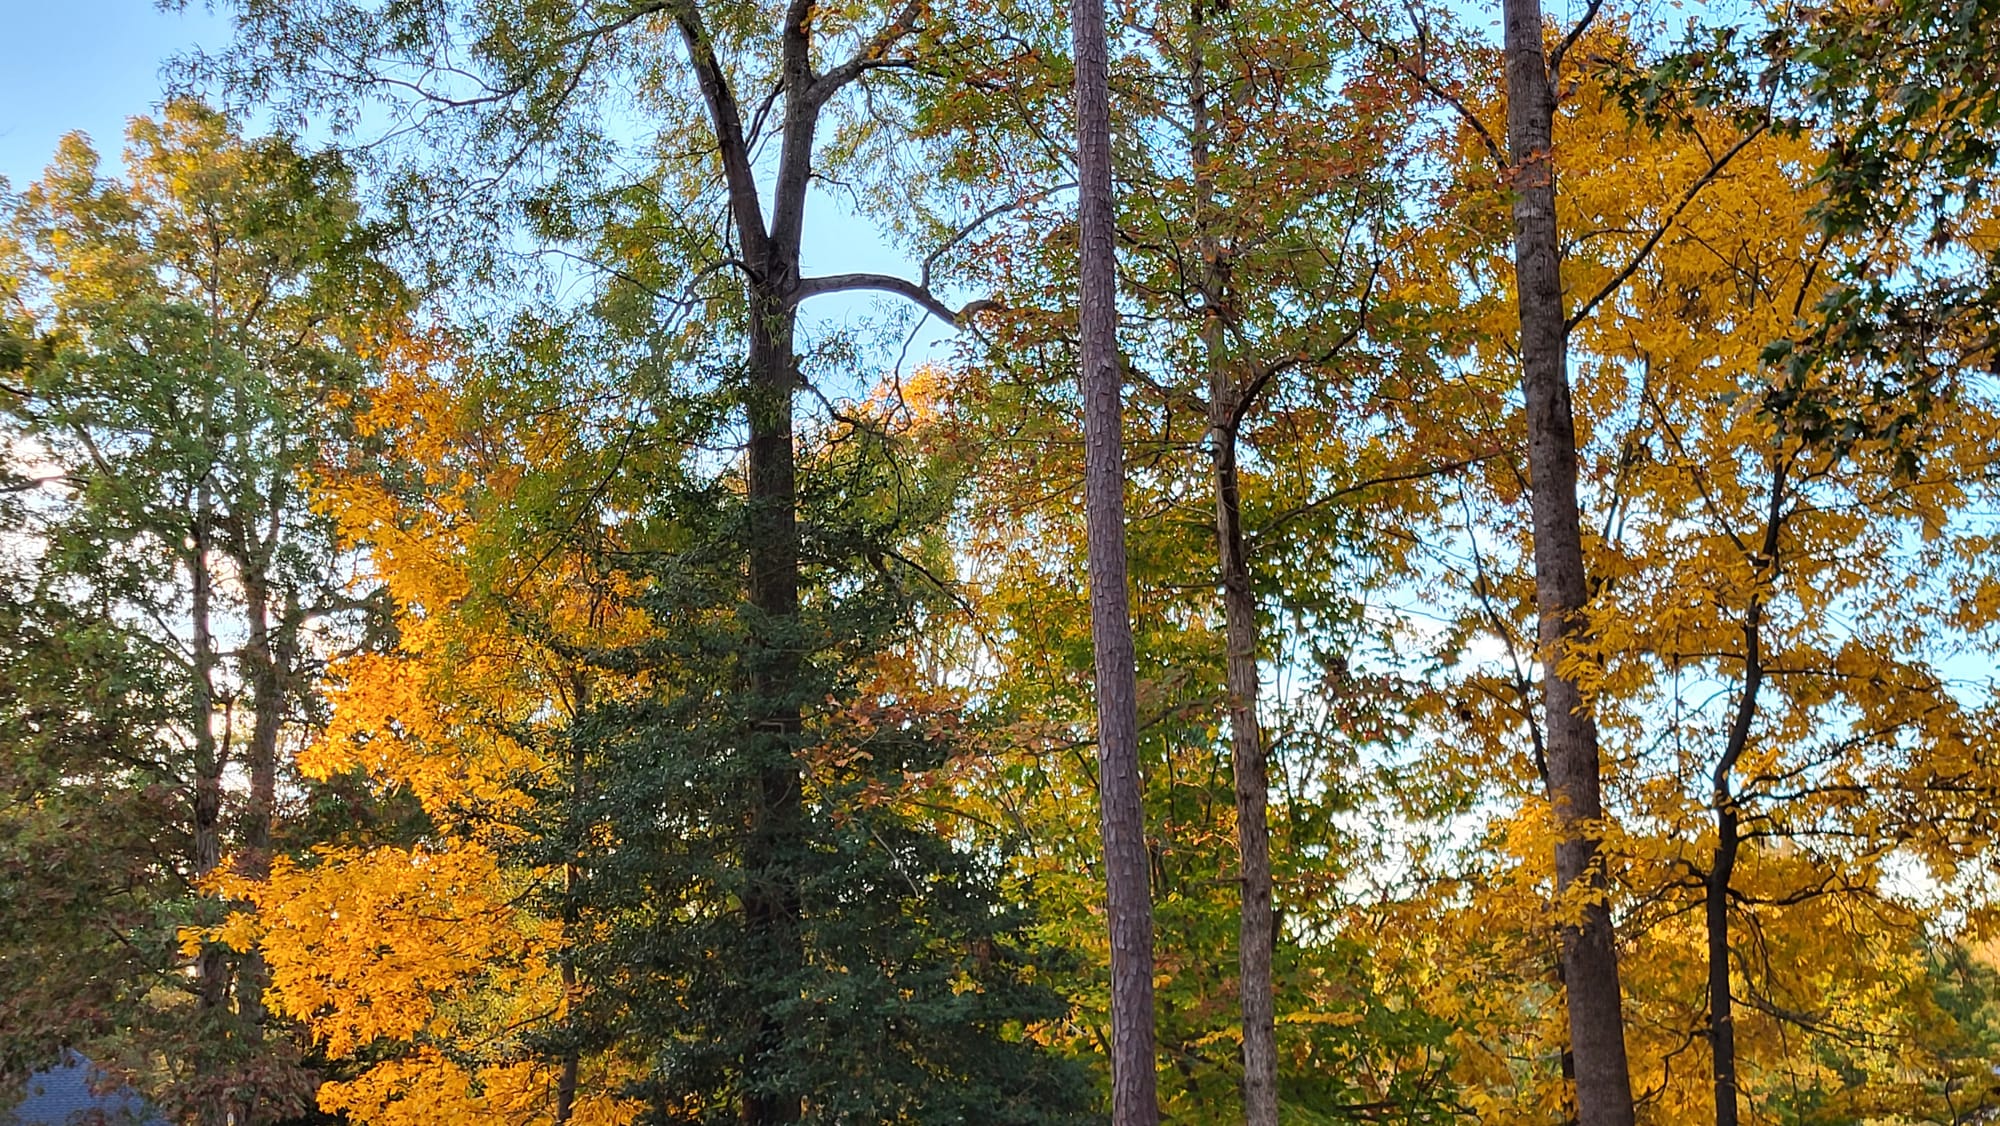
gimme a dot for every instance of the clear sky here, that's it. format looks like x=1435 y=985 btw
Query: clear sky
x=84 y=64
x=91 y=64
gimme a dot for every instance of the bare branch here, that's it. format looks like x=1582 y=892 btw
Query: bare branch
x=1582 y=25
x=889 y=283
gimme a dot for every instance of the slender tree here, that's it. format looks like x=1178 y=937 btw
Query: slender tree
x=1127 y=873
x=1589 y=951
x=1228 y=403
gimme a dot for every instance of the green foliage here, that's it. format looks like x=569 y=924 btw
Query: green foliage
x=904 y=990
x=600 y=828
x=90 y=880
x=182 y=345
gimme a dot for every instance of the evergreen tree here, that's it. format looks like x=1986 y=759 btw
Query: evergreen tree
x=911 y=990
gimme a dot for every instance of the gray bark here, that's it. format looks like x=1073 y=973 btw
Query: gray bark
x=1589 y=952
x=1134 y=1101
x=1257 y=927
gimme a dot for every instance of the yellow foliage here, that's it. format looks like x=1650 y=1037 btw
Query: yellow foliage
x=427 y=960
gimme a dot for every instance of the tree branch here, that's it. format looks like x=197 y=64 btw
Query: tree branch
x=1569 y=40
x=1653 y=240
x=726 y=119
x=889 y=283
x=874 y=55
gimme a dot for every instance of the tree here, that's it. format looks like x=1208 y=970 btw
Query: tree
x=1590 y=956
x=920 y=985
x=1293 y=222
x=1255 y=213
x=1697 y=437
x=566 y=699
x=195 y=327
x=731 y=347
x=434 y=971
x=1128 y=896
x=708 y=283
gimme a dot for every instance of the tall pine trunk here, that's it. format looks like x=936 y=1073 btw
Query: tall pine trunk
x=1589 y=953
x=1134 y=1101
x=1257 y=927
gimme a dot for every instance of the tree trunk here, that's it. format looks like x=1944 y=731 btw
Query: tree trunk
x=1257 y=935
x=1257 y=928
x=579 y=789
x=1590 y=957
x=210 y=760
x=771 y=896
x=566 y=1079
x=1126 y=871
x=1721 y=1020
x=1728 y=833
x=271 y=654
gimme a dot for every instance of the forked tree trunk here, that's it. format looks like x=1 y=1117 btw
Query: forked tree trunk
x=771 y=898
x=1589 y=955
x=1134 y=1101
x=1257 y=936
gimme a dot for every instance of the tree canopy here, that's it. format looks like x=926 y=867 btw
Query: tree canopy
x=1283 y=561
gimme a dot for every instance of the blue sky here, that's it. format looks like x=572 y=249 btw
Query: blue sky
x=91 y=64
x=84 y=64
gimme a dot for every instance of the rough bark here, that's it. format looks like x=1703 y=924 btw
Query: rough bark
x=271 y=652
x=1589 y=953
x=1257 y=933
x=1257 y=927
x=771 y=899
x=270 y=656
x=1134 y=1100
